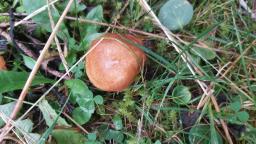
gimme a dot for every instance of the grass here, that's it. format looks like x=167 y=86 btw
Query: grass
x=220 y=41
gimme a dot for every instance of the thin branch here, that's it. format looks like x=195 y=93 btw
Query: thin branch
x=63 y=60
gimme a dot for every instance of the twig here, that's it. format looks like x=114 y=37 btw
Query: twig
x=114 y=26
x=35 y=68
x=28 y=52
x=52 y=71
x=64 y=62
x=79 y=126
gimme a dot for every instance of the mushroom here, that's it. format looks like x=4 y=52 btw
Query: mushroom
x=2 y=63
x=114 y=63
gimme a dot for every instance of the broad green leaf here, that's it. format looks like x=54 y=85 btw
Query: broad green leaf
x=25 y=128
x=89 y=32
x=76 y=7
x=66 y=136
x=6 y=109
x=86 y=42
x=13 y=80
x=243 y=116
x=50 y=115
x=81 y=116
x=29 y=62
x=87 y=107
x=32 y=138
x=24 y=125
x=235 y=106
x=91 y=136
x=175 y=14
x=43 y=19
x=79 y=91
x=201 y=134
x=181 y=95
x=117 y=121
x=96 y=14
x=81 y=95
x=115 y=135
x=98 y=99
x=204 y=53
x=158 y=142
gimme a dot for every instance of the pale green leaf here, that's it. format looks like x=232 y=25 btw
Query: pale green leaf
x=204 y=53
x=29 y=62
x=175 y=14
x=66 y=136
x=181 y=95
x=117 y=121
x=50 y=115
x=81 y=116
x=98 y=99
x=6 y=109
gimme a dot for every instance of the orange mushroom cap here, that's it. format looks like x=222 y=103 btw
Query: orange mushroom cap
x=114 y=63
x=2 y=63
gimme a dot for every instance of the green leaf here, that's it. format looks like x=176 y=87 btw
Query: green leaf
x=29 y=62
x=98 y=99
x=50 y=115
x=79 y=90
x=66 y=136
x=43 y=19
x=25 y=125
x=114 y=135
x=158 y=142
x=181 y=95
x=15 y=80
x=243 y=116
x=117 y=121
x=235 y=106
x=76 y=7
x=96 y=14
x=204 y=53
x=6 y=109
x=201 y=134
x=32 y=138
x=81 y=116
x=25 y=128
x=81 y=95
x=86 y=42
x=91 y=136
x=175 y=14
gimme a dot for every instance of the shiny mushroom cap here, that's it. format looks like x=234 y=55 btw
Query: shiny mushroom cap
x=114 y=63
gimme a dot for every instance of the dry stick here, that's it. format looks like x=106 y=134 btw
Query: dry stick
x=65 y=64
x=185 y=58
x=35 y=68
x=79 y=126
x=204 y=100
x=57 y=82
x=113 y=26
